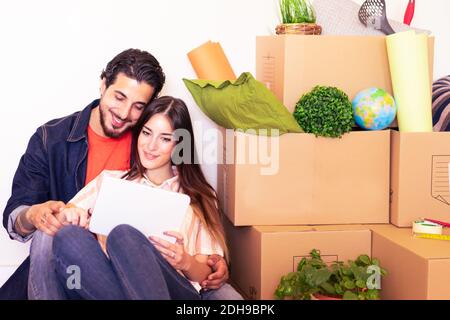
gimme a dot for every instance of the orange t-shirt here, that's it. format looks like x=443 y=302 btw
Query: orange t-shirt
x=107 y=154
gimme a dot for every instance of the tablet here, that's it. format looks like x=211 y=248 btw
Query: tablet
x=150 y=210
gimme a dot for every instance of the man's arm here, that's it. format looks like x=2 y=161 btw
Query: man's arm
x=30 y=187
x=22 y=225
x=40 y=216
x=220 y=273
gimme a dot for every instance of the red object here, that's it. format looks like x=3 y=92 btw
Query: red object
x=444 y=224
x=409 y=13
x=319 y=296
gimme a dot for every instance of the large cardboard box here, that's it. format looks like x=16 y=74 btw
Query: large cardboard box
x=419 y=177
x=303 y=179
x=261 y=255
x=417 y=268
x=291 y=65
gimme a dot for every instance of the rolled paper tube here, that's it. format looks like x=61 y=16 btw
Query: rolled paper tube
x=210 y=63
x=408 y=62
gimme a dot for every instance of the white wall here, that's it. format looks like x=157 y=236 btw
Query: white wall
x=52 y=53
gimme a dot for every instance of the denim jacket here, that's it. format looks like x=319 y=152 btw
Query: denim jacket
x=52 y=168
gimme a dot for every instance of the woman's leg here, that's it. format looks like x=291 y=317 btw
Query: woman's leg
x=76 y=250
x=143 y=272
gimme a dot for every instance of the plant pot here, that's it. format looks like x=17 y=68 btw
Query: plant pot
x=318 y=296
x=299 y=28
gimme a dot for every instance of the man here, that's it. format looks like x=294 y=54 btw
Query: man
x=65 y=154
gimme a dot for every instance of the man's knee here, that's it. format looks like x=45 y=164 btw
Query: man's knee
x=69 y=232
x=67 y=235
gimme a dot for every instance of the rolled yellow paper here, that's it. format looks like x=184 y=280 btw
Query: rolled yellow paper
x=210 y=62
x=408 y=62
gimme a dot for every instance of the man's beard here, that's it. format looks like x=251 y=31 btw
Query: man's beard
x=106 y=131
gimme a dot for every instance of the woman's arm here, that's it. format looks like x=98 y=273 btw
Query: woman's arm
x=219 y=275
x=195 y=268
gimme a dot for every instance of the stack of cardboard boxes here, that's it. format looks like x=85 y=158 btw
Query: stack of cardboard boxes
x=285 y=196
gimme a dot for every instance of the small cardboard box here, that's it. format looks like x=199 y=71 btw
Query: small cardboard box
x=419 y=177
x=303 y=179
x=417 y=268
x=261 y=255
x=291 y=65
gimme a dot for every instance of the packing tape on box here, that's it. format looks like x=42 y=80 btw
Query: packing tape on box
x=427 y=227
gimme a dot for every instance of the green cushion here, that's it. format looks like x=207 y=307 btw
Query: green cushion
x=244 y=104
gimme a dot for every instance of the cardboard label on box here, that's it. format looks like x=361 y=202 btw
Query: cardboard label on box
x=440 y=179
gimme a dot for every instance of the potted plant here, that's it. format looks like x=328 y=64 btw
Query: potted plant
x=314 y=279
x=297 y=17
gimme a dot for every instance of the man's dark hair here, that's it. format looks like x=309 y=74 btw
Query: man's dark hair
x=135 y=64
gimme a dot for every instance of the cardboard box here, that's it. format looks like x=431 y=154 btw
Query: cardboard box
x=261 y=255
x=291 y=65
x=417 y=268
x=419 y=177
x=308 y=180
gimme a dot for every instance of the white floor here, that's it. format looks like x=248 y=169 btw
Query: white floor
x=6 y=272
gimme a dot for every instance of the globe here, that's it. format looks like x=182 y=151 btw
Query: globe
x=374 y=109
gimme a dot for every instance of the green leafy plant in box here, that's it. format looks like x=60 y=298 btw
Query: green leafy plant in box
x=354 y=280
x=325 y=111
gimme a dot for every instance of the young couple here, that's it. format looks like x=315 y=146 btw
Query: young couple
x=131 y=134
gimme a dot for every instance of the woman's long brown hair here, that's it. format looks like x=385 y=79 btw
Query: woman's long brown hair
x=204 y=199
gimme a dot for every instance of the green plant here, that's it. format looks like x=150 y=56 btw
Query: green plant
x=349 y=281
x=325 y=111
x=297 y=11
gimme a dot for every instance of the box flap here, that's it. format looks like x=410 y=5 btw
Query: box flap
x=425 y=248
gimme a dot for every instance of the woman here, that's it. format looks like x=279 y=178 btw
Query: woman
x=127 y=265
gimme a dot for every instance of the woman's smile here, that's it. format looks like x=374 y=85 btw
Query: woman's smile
x=150 y=156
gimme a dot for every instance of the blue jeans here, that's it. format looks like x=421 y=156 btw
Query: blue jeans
x=225 y=292
x=44 y=284
x=42 y=280
x=135 y=268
